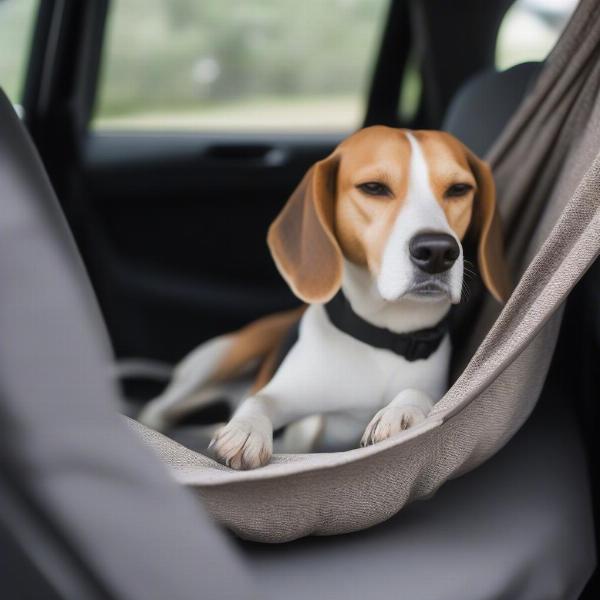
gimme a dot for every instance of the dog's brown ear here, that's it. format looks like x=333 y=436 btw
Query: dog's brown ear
x=301 y=238
x=490 y=252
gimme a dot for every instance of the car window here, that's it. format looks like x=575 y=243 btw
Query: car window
x=238 y=66
x=530 y=29
x=17 y=20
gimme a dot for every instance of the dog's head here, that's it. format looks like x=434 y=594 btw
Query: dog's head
x=397 y=203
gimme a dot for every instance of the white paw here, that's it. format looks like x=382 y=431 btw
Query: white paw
x=244 y=443
x=391 y=420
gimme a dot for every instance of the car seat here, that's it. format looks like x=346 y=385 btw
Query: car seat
x=82 y=503
x=91 y=513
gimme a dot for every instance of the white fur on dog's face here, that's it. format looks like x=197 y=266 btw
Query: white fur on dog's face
x=420 y=213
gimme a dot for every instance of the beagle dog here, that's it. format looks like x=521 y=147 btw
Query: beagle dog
x=370 y=240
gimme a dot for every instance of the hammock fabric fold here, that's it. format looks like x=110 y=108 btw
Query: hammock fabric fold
x=547 y=169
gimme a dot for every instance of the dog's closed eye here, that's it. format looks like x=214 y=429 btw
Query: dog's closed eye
x=457 y=190
x=375 y=188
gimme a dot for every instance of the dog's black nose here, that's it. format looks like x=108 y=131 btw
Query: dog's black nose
x=433 y=252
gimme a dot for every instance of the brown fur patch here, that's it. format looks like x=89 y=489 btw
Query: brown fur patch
x=448 y=160
x=448 y=165
x=255 y=341
x=363 y=223
x=267 y=369
x=301 y=238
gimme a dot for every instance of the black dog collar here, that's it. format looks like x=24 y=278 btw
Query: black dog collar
x=414 y=345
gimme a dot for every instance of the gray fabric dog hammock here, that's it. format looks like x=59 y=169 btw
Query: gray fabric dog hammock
x=547 y=170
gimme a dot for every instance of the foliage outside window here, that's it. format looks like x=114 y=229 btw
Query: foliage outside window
x=17 y=20
x=231 y=65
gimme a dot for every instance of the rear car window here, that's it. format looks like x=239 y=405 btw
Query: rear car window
x=238 y=66
x=530 y=29
x=17 y=21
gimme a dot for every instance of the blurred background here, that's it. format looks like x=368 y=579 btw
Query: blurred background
x=159 y=120
x=260 y=65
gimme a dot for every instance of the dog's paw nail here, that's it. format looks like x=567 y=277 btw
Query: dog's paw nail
x=390 y=421
x=244 y=444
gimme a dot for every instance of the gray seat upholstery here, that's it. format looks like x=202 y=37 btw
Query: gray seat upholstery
x=93 y=511
x=485 y=103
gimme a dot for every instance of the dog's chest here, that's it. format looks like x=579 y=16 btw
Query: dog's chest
x=368 y=377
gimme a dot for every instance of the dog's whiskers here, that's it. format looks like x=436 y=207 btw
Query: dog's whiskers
x=469 y=269
x=465 y=295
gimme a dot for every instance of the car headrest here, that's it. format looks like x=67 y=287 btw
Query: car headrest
x=483 y=105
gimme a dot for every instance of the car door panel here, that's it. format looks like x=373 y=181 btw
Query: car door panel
x=182 y=220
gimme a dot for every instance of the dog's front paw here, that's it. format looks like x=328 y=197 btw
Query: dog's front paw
x=244 y=443
x=390 y=420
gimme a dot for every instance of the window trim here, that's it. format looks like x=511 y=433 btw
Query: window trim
x=65 y=59
x=390 y=65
